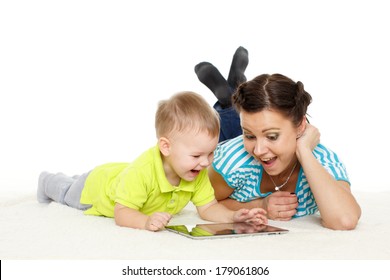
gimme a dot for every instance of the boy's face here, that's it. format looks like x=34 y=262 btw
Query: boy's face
x=186 y=154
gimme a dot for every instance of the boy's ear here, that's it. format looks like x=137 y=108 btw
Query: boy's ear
x=164 y=145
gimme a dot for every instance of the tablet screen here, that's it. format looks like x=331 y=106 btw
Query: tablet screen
x=222 y=230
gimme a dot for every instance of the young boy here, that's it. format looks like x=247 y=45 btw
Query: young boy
x=158 y=184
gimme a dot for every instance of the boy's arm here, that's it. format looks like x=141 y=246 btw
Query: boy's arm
x=127 y=217
x=236 y=205
x=216 y=212
x=213 y=211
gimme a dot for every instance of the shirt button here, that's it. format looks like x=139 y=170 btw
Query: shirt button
x=172 y=201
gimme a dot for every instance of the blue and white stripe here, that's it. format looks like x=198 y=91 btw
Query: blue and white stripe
x=243 y=173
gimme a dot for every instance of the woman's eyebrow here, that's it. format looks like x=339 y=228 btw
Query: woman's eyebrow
x=276 y=129
x=271 y=128
x=246 y=130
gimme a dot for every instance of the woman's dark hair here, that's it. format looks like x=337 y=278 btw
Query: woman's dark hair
x=275 y=92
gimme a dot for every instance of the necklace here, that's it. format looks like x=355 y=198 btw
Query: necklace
x=277 y=188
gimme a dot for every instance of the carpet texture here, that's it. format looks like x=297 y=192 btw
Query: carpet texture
x=29 y=230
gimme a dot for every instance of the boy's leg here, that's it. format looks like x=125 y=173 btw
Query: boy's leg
x=237 y=69
x=209 y=75
x=72 y=196
x=53 y=187
x=62 y=189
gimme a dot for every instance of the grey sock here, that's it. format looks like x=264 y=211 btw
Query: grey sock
x=41 y=195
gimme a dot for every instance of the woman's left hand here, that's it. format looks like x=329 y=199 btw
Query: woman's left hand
x=309 y=139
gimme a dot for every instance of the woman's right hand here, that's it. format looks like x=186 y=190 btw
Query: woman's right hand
x=280 y=205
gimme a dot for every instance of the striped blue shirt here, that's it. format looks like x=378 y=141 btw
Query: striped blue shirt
x=243 y=173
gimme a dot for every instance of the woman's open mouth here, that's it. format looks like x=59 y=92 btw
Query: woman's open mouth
x=268 y=161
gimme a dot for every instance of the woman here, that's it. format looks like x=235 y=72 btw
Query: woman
x=279 y=163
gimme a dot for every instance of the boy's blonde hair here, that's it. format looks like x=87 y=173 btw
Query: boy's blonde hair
x=186 y=111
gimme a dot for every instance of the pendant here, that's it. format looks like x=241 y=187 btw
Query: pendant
x=276 y=188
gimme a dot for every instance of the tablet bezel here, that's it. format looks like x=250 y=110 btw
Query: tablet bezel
x=268 y=230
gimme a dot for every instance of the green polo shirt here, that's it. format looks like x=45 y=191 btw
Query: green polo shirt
x=143 y=186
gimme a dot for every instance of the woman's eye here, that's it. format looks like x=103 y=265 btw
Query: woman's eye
x=249 y=137
x=273 y=137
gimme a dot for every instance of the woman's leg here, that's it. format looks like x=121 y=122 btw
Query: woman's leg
x=210 y=76
x=230 y=122
x=237 y=68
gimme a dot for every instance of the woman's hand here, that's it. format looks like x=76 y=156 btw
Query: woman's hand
x=309 y=139
x=338 y=207
x=280 y=205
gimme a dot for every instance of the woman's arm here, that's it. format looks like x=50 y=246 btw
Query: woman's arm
x=222 y=192
x=274 y=204
x=221 y=188
x=338 y=208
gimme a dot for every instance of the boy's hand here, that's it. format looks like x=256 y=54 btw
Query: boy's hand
x=157 y=221
x=256 y=216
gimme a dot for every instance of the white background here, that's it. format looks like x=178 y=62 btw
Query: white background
x=80 y=80
x=274 y=269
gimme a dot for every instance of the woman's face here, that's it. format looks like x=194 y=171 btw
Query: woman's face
x=271 y=138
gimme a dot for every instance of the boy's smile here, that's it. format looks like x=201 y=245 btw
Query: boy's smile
x=186 y=154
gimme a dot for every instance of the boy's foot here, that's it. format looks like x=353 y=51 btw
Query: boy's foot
x=41 y=195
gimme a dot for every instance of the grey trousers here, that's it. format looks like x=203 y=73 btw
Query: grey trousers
x=62 y=188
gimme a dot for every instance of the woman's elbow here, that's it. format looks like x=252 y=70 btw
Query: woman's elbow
x=344 y=222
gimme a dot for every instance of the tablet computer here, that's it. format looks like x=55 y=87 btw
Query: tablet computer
x=224 y=230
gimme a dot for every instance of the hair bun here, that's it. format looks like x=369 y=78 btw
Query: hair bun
x=300 y=91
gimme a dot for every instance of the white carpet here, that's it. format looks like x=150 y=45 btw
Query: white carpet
x=29 y=230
